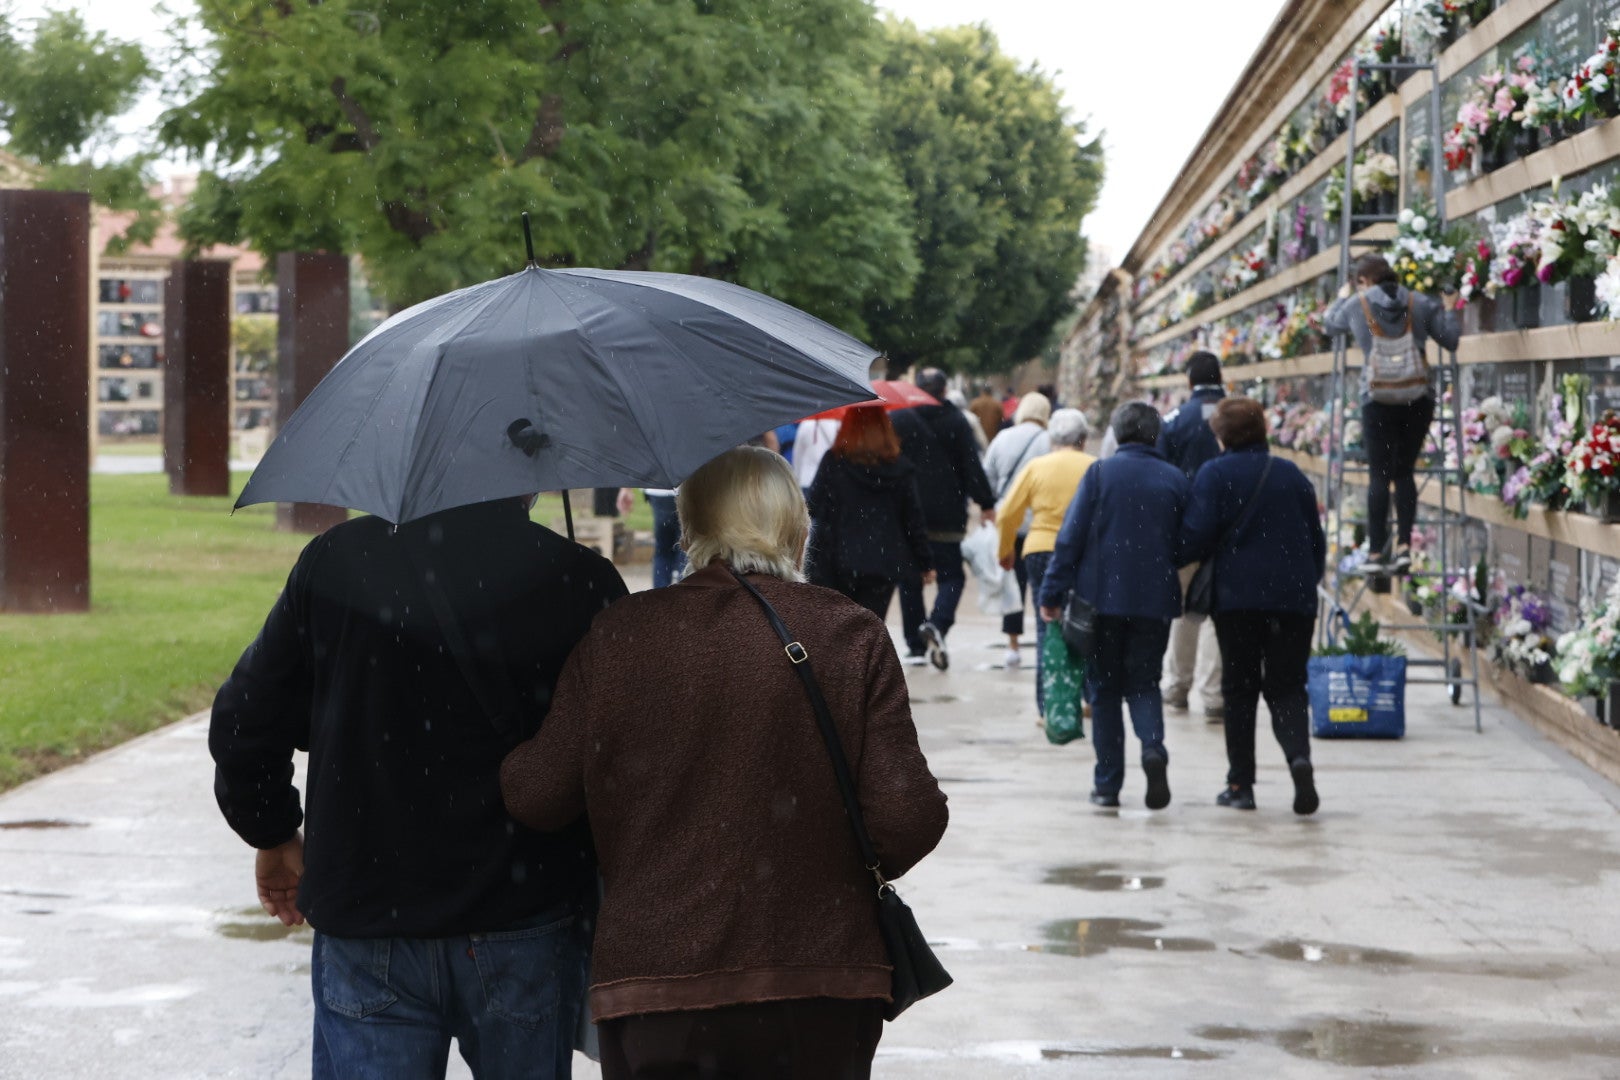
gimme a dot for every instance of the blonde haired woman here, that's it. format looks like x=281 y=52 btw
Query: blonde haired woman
x=738 y=930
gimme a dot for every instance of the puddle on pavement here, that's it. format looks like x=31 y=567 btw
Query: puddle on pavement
x=936 y=699
x=1093 y=937
x=1100 y=877
x=44 y=823
x=37 y=911
x=970 y=779
x=1171 y=1053
x=1389 y=961
x=1363 y=1044
x=252 y=924
x=991 y=742
x=31 y=895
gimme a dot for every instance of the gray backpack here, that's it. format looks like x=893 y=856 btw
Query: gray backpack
x=1397 y=372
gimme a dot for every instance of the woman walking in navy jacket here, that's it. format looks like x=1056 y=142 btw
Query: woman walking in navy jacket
x=1265 y=593
x=1117 y=549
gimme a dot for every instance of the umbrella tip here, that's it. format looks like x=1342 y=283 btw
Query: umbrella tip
x=528 y=239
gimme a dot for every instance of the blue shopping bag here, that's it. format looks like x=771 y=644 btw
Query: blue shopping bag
x=1358 y=697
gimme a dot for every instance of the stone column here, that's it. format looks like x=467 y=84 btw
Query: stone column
x=197 y=377
x=312 y=334
x=44 y=401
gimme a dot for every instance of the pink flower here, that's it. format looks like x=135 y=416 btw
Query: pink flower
x=1503 y=103
x=1545 y=274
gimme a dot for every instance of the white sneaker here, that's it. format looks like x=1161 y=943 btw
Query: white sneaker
x=1014 y=659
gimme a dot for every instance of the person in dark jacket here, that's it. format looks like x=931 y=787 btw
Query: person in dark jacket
x=937 y=440
x=739 y=928
x=1392 y=432
x=1265 y=593
x=1187 y=442
x=867 y=524
x=411 y=870
x=1118 y=548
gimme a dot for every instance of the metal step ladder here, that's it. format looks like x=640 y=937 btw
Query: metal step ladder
x=1345 y=593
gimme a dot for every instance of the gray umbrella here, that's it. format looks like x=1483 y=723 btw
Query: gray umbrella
x=554 y=379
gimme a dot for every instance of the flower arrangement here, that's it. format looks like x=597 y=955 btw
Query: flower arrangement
x=1475 y=275
x=1575 y=238
x=1593 y=464
x=1591 y=89
x=1375 y=174
x=1517 y=246
x=1243 y=269
x=1496 y=443
x=1521 y=641
x=1421 y=255
x=1588 y=657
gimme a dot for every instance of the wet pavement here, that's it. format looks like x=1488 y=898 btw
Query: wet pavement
x=1451 y=911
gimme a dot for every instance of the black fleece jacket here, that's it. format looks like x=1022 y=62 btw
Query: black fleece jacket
x=407 y=835
x=937 y=440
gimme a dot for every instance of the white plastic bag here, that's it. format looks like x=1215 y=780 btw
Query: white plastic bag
x=998 y=589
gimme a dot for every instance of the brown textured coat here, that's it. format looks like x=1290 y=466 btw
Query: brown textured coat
x=731 y=873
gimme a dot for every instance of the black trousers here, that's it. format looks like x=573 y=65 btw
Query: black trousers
x=1013 y=623
x=1264 y=654
x=802 y=1039
x=1394 y=436
x=871 y=592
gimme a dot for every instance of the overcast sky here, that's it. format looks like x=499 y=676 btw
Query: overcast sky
x=1150 y=75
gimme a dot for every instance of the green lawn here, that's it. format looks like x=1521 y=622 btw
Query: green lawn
x=178 y=588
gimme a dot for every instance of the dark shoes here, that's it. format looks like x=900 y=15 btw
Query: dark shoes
x=1176 y=701
x=1305 y=797
x=1100 y=799
x=1215 y=716
x=1236 y=796
x=935 y=642
x=1158 y=785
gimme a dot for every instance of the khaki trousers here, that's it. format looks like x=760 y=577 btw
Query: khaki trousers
x=1193 y=660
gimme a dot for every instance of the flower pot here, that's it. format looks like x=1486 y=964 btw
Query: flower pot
x=1554 y=304
x=1527 y=141
x=1609 y=707
x=1542 y=674
x=1479 y=316
x=1492 y=156
x=1527 y=306
x=1580 y=299
x=1605 y=507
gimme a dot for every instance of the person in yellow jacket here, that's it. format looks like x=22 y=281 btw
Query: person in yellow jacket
x=1043 y=490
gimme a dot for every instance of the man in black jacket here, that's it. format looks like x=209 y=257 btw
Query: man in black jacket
x=409 y=662
x=938 y=441
x=1187 y=441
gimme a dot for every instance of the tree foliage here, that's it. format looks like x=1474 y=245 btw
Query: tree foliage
x=721 y=137
x=61 y=87
x=1000 y=181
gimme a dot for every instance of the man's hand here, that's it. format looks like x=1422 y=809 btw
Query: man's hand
x=1009 y=562
x=627 y=500
x=988 y=516
x=1345 y=290
x=278 y=871
x=1050 y=614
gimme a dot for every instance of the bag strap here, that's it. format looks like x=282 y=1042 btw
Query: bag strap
x=1023 y=457
x=1248 y=507
x=829 y=734
x=500 y=713
x=1372 y=323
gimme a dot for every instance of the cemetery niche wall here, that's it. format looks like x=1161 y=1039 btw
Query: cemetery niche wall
x=1241 y=259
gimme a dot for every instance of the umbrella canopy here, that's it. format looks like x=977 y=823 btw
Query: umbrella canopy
x=554 y=379
x=893 y=395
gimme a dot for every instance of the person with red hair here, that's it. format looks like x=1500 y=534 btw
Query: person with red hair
x=868 y=534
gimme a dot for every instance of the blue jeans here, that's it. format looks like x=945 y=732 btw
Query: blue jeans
x=1035 y=565
x=387 y=1008
x=951 y=579
x=668 y=558
x=1125 y=670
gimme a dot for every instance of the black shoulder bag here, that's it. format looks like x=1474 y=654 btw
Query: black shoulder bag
x=1079 y=623
x=917 y=971
x=1201 y=589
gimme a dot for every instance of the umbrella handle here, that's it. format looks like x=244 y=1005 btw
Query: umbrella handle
x=568 y=513
x=528 y=239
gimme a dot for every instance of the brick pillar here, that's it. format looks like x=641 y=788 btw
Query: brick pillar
x=44 y=401
x=197 y=377
x=312 y=334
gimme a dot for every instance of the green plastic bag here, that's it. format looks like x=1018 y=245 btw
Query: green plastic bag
x=1063 y=675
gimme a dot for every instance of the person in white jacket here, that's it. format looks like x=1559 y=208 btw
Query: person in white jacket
x=810 y=445
x=1009 y=452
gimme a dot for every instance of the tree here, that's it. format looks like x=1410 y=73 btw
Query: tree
x=720 y=137
x=60 y=91
x=1000 y=181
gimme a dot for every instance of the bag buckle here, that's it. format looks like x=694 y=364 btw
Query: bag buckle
x=796 y=652
x=877 y=873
